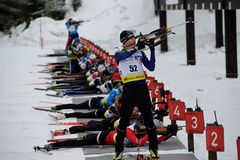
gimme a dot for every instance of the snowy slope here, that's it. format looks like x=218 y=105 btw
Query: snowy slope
x=205 y=81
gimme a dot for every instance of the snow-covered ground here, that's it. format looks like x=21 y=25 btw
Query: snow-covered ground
x=22 y=127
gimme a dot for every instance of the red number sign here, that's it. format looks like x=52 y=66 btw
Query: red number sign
x=150 y=82
x=215 y=138
x=161 y=105
x=168 y=95
x=194 y=122
x=238 y=147
x=156 y=90
x=176 y=110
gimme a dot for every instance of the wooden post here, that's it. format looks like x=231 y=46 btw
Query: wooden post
x=190 y=137
x=231 y=44
x=163 y=23
x=156 y=6
x=219 y=28
x=212 y=155
x=173 y=122
x=190 y=142
x=238 y=148
x=190 y=34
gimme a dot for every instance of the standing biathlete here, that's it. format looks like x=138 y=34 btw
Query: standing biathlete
x=72 y=27
x=135 y=92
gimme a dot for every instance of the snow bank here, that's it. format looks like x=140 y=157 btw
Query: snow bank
x=205 y=81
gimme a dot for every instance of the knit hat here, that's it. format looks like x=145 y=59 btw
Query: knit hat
x=126 y=35
x=76 y=40
x=116 y=77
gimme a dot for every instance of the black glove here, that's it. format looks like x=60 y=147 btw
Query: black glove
x=160 y=114
x=140 y=44
x=172 y=129
x=97 y=82
x=150 y=44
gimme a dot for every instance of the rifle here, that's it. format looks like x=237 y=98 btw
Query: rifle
x=160 y=33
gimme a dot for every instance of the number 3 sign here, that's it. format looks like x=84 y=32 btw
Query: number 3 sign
x=194 y=122
x=215 y=138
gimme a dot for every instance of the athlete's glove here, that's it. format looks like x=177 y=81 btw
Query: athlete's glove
x=150 y=44
x=140 y=43
x=172 y=129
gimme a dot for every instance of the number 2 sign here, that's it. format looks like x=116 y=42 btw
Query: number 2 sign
x=215 y=138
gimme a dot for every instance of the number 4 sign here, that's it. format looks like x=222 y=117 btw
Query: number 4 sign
x=215 y=137
x=176 y=110
x=238 y=147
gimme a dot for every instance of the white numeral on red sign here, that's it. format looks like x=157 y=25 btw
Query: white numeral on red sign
x=194 y=126
x=214 y=144
x=176 y=111
x=148 y=82
x=156 y=90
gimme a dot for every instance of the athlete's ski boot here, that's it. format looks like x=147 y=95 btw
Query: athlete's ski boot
x=48 y=147
x=154 y=154
x=118 y=156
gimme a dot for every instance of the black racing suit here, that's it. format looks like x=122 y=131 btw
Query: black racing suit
x=106 y=124
x=89 y=104
x=135 y=93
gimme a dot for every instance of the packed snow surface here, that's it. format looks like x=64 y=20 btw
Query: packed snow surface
x=22 y=127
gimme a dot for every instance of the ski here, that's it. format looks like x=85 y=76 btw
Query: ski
x=71 y=81
x=69 y=86
x=70 y=123
x=48 y=107
x=45 y=109
x=40 y=83
x=41 y=89
x=53 y=55
x=42 y=149
x=78 y=92
x=54 y=95
x=43 y=101
x=62 y=139
x=90 y=95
